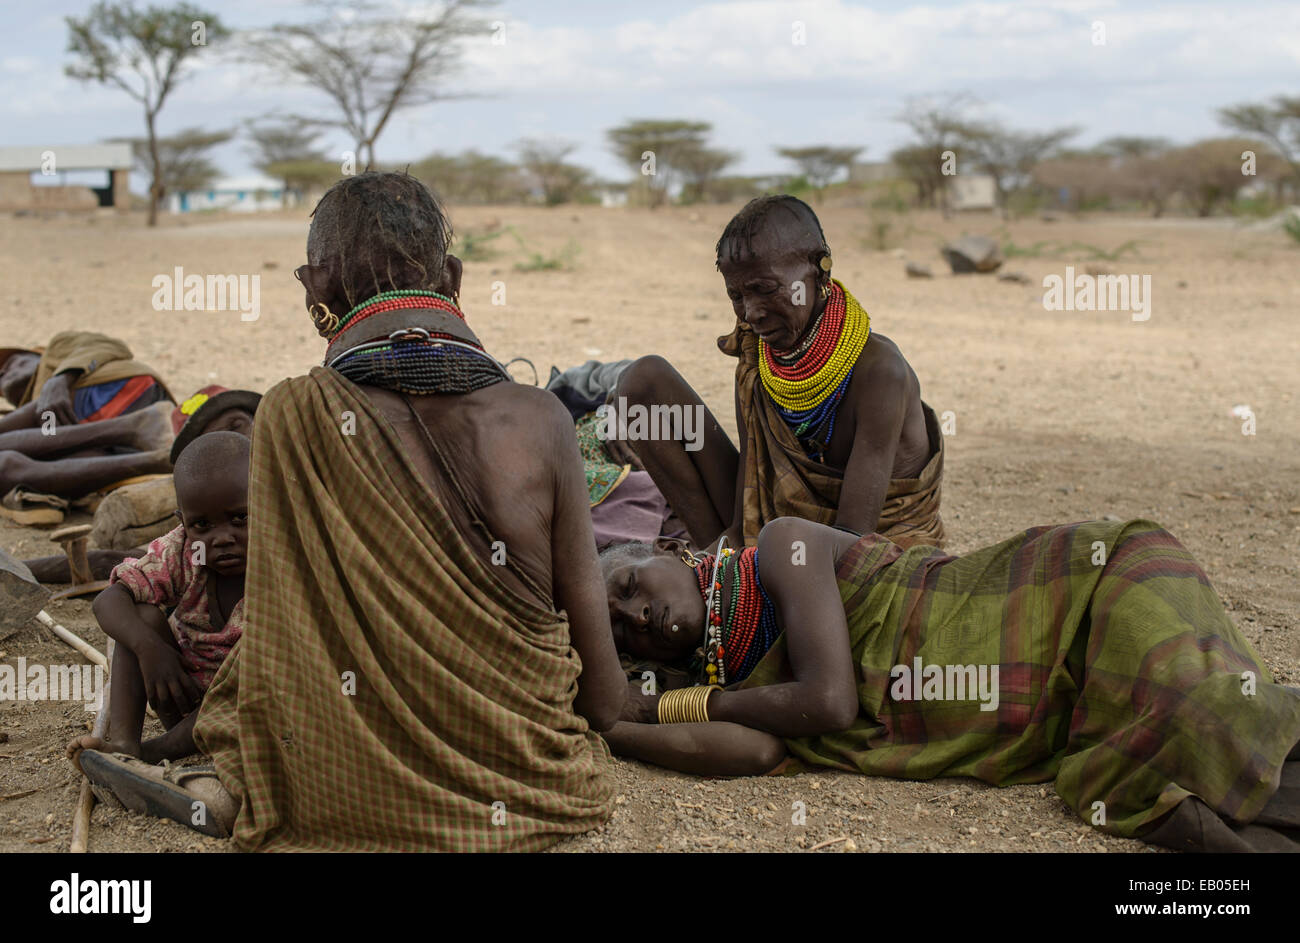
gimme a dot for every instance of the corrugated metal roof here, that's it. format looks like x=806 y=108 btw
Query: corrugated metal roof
x=116 y=156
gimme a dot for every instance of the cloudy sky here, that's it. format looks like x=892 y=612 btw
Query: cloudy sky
x=570 y=69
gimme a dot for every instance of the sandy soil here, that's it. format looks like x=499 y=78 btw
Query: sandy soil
x=1059 y=416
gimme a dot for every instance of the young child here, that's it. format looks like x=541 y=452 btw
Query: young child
x=195 y=571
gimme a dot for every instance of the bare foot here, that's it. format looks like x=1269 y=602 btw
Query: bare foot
x=153 y=428
x=91 y=742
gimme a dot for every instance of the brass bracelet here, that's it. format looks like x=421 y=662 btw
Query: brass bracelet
x=686 y=705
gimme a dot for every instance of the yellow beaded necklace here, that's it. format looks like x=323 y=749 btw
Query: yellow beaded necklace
x=803 y=388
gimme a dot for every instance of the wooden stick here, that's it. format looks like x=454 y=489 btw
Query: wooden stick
x=828 y=842
x=93 y=655
x=86 y=798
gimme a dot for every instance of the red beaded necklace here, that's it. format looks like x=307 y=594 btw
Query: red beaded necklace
x=828 y=328
x=745 y=622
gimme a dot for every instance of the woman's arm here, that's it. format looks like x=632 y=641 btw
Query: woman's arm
x=577 y=585
x=797 y=564
x=713 y=749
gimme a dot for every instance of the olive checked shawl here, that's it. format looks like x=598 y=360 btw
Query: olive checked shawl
x=781 y=480
x=388 y=693
x=1120 y=674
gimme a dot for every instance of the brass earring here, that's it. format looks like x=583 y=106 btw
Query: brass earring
x=826 y=290
x=328 y=322
x=689 y=560
x=826 y=263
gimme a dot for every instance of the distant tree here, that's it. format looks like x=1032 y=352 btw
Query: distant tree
x=1082 y=176
x=1208 y=172
x=546 y=163
x=938 y=126
x=921 y=165
x=821 y=164
x=471 y=177
x=370 y=61
x=1133 y=147
x=183 y=157
x=144 y=53
x=700 y=167
x=1278 y=124
x=1008 y=156
x=287 y=150
x=661 y=145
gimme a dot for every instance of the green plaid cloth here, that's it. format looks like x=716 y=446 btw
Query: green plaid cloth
x=1122 y=682
x=461 y=734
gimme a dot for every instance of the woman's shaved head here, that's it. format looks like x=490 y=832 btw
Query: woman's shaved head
x=379 y=232
x=792 y=218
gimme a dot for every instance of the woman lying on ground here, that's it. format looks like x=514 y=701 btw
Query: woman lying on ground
x=1096 y=655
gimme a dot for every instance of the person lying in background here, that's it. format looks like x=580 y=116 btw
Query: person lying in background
x=86 y=415
x=1094 y=655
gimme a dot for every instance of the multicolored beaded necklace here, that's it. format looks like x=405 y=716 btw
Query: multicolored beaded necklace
x=414 y=360
x=740 y=630
x=808 y=383
x=399 y=300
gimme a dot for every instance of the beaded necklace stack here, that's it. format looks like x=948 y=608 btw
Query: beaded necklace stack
x=807 y=384
x=742 y=625
x=414 y=360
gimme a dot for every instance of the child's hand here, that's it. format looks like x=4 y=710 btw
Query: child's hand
x=166 y=682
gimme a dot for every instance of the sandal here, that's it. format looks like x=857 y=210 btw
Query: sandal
x=31 y=508
x=161 y=791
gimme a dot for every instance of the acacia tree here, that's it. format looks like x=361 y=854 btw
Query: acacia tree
x=1009 y=157
x=183 y=156
x=287 y=150
x=369 y=61
x=142 y=52
x=820 y=164
x=670 y=144
x=701 y=166
x=546 y=163
x=1278 y=124
x=1208 y=172
x=937 y=126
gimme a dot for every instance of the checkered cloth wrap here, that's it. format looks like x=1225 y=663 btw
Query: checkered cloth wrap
x=782 y=481
x=1121 y=682
x=464 y=691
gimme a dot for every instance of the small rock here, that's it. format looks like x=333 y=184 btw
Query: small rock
x=1112 y=517
x=917 y=270
x=270 y=265
x=1020 y=278
x=1181 y=283
x=849 y=845
x=972 y=254
x=4 y=738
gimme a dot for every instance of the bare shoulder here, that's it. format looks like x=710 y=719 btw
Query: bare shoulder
x=530 y=417
x=883 y=363
x=786 y=543
x=531 y=404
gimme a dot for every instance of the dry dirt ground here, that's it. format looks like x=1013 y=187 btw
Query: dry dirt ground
x=1059 y=416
